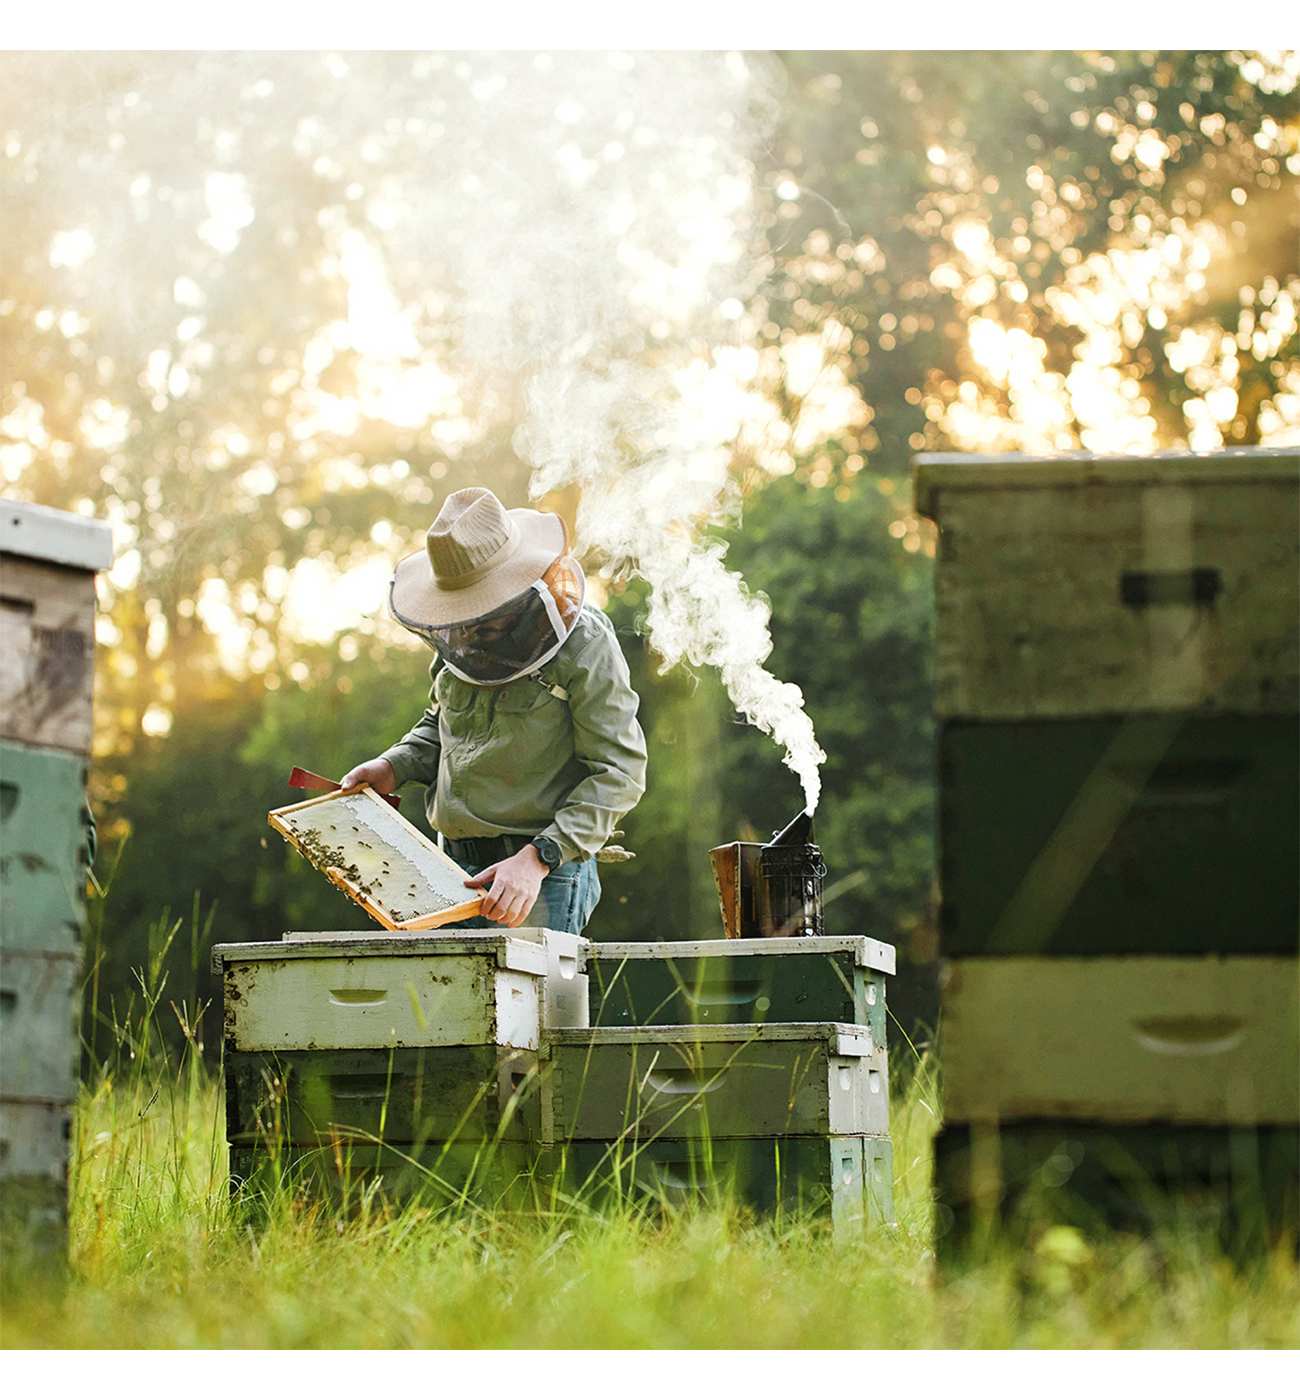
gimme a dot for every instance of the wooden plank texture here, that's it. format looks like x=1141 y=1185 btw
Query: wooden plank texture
x=41 y=533
x=1150 y=834
x=1243 y=1183
x=360 y=1003
x=42 y=849
x=1174 y=1040
x=733 y=1082
x=1109 y=599
x=39 y=1020
x=34 y=1141
x=47 y=646
x=486 y=1174
x=710 y=983
x=781 y=1176
x=469 y=1093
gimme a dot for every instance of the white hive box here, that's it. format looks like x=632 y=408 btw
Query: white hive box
x=370 y=991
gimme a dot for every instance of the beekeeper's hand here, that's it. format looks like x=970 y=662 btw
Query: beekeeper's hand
x=512 y=886
x=378 y=772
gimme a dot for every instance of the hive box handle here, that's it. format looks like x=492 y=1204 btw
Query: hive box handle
x=1189 y=1035
x=683 y=1081
x=358 y=996
x=1153 y=588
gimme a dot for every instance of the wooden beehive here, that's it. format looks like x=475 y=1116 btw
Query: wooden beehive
x=48 y=560
x=778 y=1080
x=1118 y=687
x=741 y=980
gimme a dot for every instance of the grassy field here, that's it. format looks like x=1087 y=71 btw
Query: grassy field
x=160 y=1259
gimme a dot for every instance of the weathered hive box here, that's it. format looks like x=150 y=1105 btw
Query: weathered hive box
x=408 y=1097
x=1118 y=686
x=1146 y=835
x=849 y=1178
x=741 y=980
x=713 y=1082
x=1079 y=585
x=42 y=849
x=48 y=560
x=486 y=1173
x=1123 y=1040
x=372 y=992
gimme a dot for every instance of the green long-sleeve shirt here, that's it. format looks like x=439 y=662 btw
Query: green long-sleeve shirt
x=520 y=759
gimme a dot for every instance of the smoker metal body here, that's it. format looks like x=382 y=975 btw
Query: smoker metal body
x=48 y=560
x=1118 y=687
x=773 y=890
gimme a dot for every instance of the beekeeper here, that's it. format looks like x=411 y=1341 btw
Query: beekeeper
x=530 y=746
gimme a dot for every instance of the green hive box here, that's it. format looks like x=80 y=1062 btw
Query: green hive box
x=350 y=1174
x=714 y=1082
x=741 y=980
x=466 y=1093
x=850 y=1178
x=42 y=849
x=1101 y=835
x=1242 y=1183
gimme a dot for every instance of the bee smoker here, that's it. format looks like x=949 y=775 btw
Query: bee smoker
x=771 y=890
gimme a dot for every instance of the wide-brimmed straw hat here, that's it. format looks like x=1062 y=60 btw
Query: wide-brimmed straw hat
x=477 y=556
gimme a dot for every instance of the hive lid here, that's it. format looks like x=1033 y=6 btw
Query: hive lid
x=841 y=1037
x=937 y=471
x=517 y=954
x=867 y=952
x=58 y=536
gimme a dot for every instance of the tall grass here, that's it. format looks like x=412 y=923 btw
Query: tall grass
x=160 y=1257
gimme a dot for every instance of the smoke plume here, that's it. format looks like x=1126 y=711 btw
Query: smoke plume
x=570 y=241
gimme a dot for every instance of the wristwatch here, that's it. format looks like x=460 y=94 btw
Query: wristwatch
x=549 y=850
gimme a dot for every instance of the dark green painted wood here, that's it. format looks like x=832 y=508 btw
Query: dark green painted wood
x=727 y=989
x=769 y=1175
x=464 y=1093
x=1244 y=1183
x=1202 y=857
x=485 y=1174
x=746 y=1085
x=42 y=849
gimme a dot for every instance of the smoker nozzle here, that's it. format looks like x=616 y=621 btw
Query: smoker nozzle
x=798 y=832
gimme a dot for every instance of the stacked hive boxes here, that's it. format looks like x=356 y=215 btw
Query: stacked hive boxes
x=464 y=1064
x=47 y=616
x=1117 y=685
x=754 y=1065
x=413 y=1058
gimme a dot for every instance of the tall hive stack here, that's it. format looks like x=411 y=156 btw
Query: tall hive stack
x=412 y=1059
x=462 y=1064
x=48 y=560
x=757 y=1065
x=1117 y=681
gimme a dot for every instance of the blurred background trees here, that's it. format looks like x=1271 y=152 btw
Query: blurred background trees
x=1027 y=251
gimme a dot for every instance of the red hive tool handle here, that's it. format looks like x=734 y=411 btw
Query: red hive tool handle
x=314 y=782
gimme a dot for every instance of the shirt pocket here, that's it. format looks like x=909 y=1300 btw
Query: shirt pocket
x=462 y=709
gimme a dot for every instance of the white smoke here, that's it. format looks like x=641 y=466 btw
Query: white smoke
x=601 y=269
x=563 y=242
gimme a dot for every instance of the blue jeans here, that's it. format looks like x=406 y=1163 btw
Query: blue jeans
x=567 y=896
